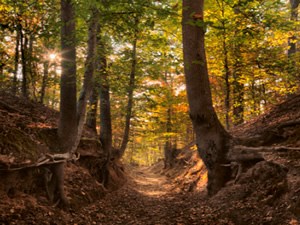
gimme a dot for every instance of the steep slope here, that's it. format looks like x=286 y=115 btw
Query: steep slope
x=28 y=133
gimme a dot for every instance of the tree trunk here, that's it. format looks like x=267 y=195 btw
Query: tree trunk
x=211 y=138
x=168 y=150
x=292 y=42
x=226 y=74
x=45 y=81
x=32 y=75
x=24 y=43
x=67 y=128
x=238 y=96
x=88 y=74
x=130 y=92
x=55 y=82
x=91 y=120
x=105 y=114
x=15 y=79
x=294 y=17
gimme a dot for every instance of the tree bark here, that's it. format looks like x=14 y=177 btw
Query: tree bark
x=88 y=75
x=131 y=88
x=294 y=17
x=105 y=114
x=292 y=42
x=211 y=138
x=24 y=43
x=45 y=81
x=17 y=55
x=237 y=89
x=67 y=128
x=226 y=70
x=168 y=148
x=32 y=74
x=91 y=120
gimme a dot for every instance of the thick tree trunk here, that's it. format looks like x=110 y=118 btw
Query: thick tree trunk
x=88 y=75
x=68 y=118
x=211 y=138
x=67 y=129
x=131 y=88
x=105 y=114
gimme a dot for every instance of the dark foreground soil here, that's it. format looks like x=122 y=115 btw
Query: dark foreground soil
x=148 y=197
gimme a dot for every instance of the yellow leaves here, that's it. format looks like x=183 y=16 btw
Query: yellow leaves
x=194 y=148
x=181 y=108
x=5 y=8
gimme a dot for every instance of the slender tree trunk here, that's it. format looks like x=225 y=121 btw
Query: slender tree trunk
x=105 y=114
x=67 y=128
x=211 y=138
x=15 y=79
x=55 y=83
x=24 y=43
x=227 y=82
x=292 y=42
x=45 y=81
x=237 y=86
x=294 y=17
x=225 y=65
x=88 y=75
x=32 y=78
x=91 y=120
x=238 y=96
x=168 y=150
x=130 y=92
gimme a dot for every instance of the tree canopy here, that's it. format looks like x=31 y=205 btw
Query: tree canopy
x=251 y=48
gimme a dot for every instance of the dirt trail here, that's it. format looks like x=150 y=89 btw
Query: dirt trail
x=147 y=198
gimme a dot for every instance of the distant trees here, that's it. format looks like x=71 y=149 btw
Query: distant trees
x=248 y=41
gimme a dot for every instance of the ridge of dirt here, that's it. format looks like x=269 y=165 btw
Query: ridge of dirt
x=275 y=121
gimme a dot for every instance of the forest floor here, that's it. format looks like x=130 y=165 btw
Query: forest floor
x=148 y=197
x=267 y=193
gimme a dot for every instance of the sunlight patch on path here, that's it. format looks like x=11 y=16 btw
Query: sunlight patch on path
x=150 y=184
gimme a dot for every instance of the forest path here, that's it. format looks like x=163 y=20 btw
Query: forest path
x=147 y=198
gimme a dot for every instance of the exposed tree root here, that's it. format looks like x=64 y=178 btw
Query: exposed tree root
x=6 y=163
x=266 y=148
